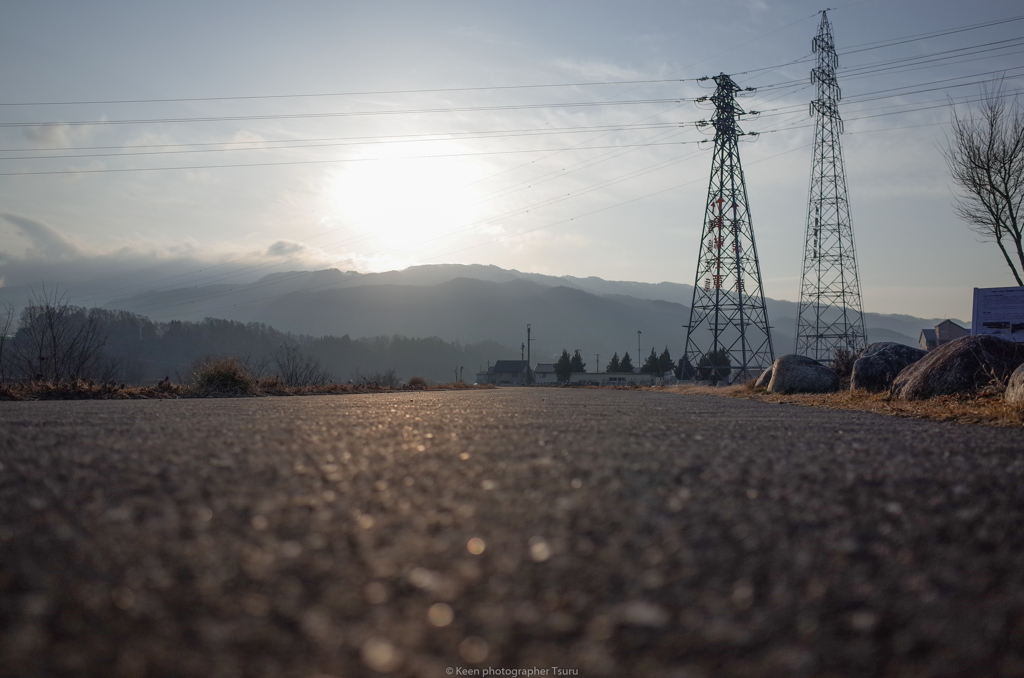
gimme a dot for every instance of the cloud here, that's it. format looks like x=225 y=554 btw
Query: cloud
x=58 y=135
x=483 y=35
x=46 y=240
x=283 y=248
x=98 y=278
x=597 y=70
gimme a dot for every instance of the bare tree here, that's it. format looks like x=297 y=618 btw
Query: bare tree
x=6 y=324
x=986 y=160
x=298 y=369
x=59 y=342
x=387 y=378
x=257 y=367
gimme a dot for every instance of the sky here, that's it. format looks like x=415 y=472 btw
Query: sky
x=162 y=145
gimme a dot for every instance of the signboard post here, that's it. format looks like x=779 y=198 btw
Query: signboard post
x=999 y=311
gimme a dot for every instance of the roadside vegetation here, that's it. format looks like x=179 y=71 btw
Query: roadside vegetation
x=987 y=407
x=53 y=350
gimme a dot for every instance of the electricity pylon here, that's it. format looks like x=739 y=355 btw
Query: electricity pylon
x=830 y=315
x=728 y=317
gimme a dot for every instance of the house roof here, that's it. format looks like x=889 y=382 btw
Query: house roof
x=511 y=366
x=950 y=322
x=929 y=335
x=544 y=368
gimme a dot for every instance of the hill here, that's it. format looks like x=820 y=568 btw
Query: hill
x=474 y=303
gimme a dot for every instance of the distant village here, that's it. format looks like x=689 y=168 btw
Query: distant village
x=623 y=373
x=519 y=373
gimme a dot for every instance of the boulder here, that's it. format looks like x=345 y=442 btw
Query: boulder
x=764 y=379
x=799 y=374
x=963 y=366
x=1015 y=389
x=879 y=363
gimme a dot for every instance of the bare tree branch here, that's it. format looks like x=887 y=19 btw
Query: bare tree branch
x=295 y=368
x=57 y=341
x=986 y=161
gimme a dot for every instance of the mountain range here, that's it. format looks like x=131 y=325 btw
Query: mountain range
x=473 y=303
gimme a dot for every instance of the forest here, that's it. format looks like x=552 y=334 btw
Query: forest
x=53 y=340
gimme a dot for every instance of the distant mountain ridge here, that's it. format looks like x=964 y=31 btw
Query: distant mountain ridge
x=472 y=303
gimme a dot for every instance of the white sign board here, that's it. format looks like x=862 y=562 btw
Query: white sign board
x=999 y=311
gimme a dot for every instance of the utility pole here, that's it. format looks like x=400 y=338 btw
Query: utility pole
x=529 y=340
x=597 y=359
x=638 y=348
x=728 y=314
x=830 y=315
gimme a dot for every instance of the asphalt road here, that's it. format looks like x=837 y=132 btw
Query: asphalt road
x=610 y=533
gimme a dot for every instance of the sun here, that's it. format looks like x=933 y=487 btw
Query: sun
x=403 y=202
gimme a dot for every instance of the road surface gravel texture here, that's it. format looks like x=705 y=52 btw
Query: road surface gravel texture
x=606 y=533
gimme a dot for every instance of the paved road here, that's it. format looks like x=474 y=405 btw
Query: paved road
x=611 y=533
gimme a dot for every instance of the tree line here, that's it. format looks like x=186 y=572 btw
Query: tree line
x=654 y=364
x=54 y=340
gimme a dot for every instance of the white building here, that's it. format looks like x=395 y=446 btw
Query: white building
x=611 y=379
x=544 y=373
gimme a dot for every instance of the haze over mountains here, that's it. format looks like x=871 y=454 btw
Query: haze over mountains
x=472 y=303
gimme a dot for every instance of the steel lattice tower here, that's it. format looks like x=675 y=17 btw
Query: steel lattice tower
x=830 y=315
x=728 y=317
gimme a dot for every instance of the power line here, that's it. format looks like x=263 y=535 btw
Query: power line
x=379 y=140
x=482 y=222
x=881 y=44
x=315 y=162
x=436 y=90
x=579 y=165
x=430 y=136
x=351 y=241
x=343 y=114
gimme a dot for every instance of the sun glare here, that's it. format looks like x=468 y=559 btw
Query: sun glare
x=404 y=202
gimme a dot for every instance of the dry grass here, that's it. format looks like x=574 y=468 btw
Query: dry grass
x=985 y=409
x=223 y=378
x=83 y=390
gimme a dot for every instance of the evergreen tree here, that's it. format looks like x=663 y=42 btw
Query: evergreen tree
x=714 y=366
x=650 y=365
x=577 y=363
x=626 y=364
x=613 y=364
x=665 y=362
x=563 y=368
x=684 y=368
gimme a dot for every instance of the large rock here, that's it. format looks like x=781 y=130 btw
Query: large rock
x=764 y=379
x=879 y=363
x=963 y=366
x=1015 y=389
x=799 y=374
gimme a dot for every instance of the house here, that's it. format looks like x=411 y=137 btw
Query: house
x=927 y=341
x=507 y=373
x=943 y=333
x=544 y=373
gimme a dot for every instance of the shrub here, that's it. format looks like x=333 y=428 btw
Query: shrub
x=295 y=368
x=417 y=382
x=842 y=362
x=383 y=379
x=222 y=377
